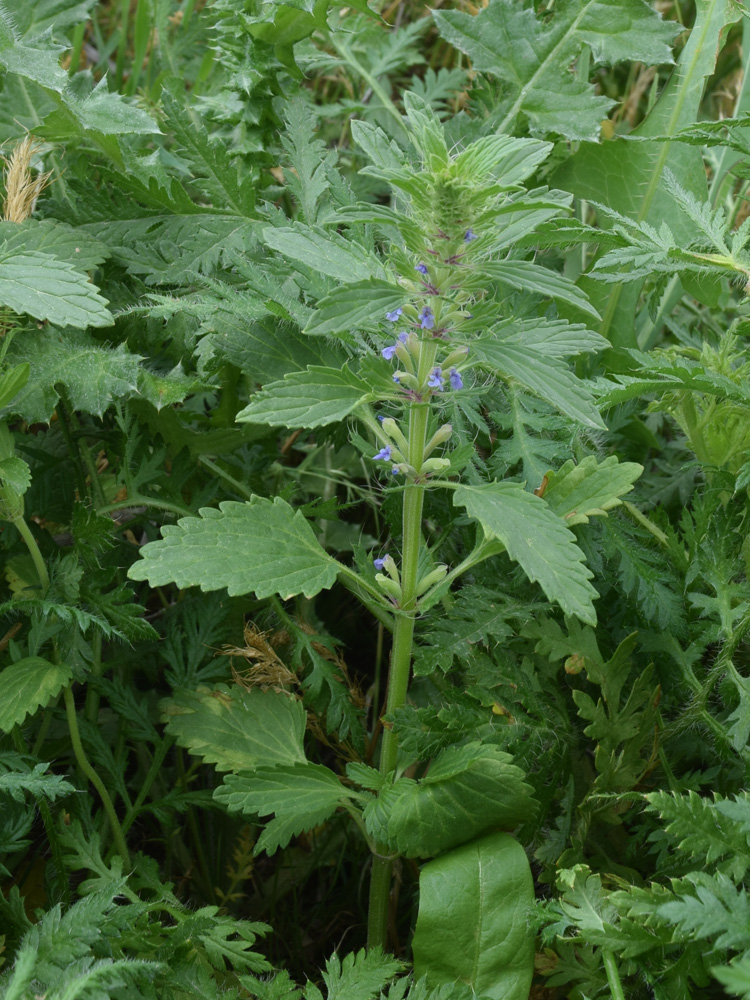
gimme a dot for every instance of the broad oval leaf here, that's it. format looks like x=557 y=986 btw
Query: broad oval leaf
x=312 y=398
x=46 y=288
x=259 y=547
x=467 y=790
x=30 y=684
x=537 y=539
x=473 y=925
x=360 y=306
x=237 y=730
x=325 y=252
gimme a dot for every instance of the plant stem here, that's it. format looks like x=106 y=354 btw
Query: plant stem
x=96 y=781
x=36 y=556
x=403 y=636
x=91 y=711
x=613 y=975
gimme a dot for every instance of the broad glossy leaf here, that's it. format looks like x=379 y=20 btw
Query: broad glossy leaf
x=262 y=547
x=235 y=729
x=533 y=59
x=28 y=685
x=474 y=924
x=326 y=252
x=312 y=398
x=362 y=306
x=94 y=375
x=537 y=539
x=300 y=795
x=545 y=376
x=46 y=288
x=577 y=492
x=466 y=791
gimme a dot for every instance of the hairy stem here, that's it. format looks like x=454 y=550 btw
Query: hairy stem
x=403 y=637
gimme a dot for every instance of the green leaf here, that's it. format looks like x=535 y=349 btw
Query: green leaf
x=361 y=306
x=93 y=375
x=237 y=730
x=577 y=492
x=300 y=795
x=735 y=978
x=325 y=252
x=537 y=539
x=312 y=398
x=466 y=791
x=29 y=684
x=14 y=472
x=546 y=377
x=74 y=246
x=552 y=338
x=533 y=58
x=361 y=975
x=37 y=782
x=474 y=924
x=11 y=383
x=50 y=289
x=526 y=276
x=262 y=547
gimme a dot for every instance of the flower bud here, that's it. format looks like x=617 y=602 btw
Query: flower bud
x=441 y=435
x=435 y=465
x=394 y=432
x=431 y=579
x=388 y=586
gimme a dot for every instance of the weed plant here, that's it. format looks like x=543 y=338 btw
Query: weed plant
x=374 y=482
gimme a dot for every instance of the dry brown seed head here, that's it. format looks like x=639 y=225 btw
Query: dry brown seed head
x=22 y=186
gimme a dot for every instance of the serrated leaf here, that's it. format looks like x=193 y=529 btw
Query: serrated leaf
x=36 y=782
x=466 y=791
x=14 y=472
x=526 y=276
x=361 y=306
x=27 y=685
x=591 y=488
x=301 y=796
x=473 y=925
x=325 y=252
x=735 y=978
x=546 y=377
x=533 y=58
x=262 y=547
x=537 y=539
x=93 y=375
x=361 y=975
x=74 y=246
x=313 y=398
x=552 y=338
x=46 y=288
x=235 y=729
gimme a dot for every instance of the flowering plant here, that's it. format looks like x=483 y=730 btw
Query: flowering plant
x=446 y=279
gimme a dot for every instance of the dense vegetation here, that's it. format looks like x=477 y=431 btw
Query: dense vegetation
x=375 y=484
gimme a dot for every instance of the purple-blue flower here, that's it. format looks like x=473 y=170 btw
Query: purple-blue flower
x=422 y=268
x=435 y=381
x=395 y=471
x=384 y=453
x=378 y=563
x=426 y=319
x=388 y=351
x=381 y=417
x=396 y=379
x=455 y=379
x=393 y=316
x=470 y=235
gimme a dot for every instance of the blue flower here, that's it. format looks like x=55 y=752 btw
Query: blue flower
x=395 y=471
x=435 y=381
x=396 y=379
x=455 y=379
x=388 y=351
x=402 y=337
x=426 y=319
x=384 y=453
x=422 y=268
x=381 y=417
x=393 y=316
x=378 y=563
x=470 y=235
